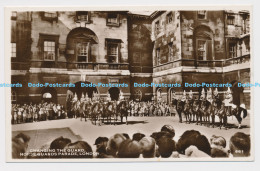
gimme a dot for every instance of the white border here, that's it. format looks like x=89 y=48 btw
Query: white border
x=131 y=166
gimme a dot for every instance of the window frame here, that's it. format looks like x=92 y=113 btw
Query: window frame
x=229 y=19
x=82 y=13
x=12 y=48
x=117 y=24
x=205 y=15
x=157 y=26
x=232 y=54
x=49 y=37
x=88 y=56
x=170 y=52
x=158 y=55
x=49 y=18
x=116 y=57
x=13 y=96
x=205 y=49
x=168 y=16
x=13 y=17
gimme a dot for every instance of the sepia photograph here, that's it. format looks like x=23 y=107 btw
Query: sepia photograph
x=112 y=85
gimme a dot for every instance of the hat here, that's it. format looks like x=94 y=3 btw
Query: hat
x=138 y=136
x=99 y=140
x=169 y=129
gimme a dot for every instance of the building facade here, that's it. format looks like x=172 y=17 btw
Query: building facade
x=122 y=47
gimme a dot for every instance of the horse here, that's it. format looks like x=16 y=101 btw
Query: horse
x=240 y=113
x=222 y=114
x=109 y=111
x=187 y=110
x=216 y=105
x=97 y=110
x=82 y=111
x=122 y=109
x=206 y=109
x=179 y=108
x=195 y=111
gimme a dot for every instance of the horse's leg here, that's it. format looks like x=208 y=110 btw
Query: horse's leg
x=126 y=120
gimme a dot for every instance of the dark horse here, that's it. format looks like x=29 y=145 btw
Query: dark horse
x=97 y=110
x=179 y=108
x=187 y=110
x=109 y=111
x=205 y=109
x=122 y=110
x=239 y=113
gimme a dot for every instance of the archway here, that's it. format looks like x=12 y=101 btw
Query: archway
x=170 y=95
x=158 y=94
x=49 y=95
x=114 y=93
x=237 y=92
x=203 y=44
x=81 y=47
x=138 y=95
x=79 y=90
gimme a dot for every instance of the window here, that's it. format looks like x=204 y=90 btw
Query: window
x=169 y=18
x=50 y=14
x=112 y=52
x=170 y=48
x=157 y=26
x=201 y=49
x=202 y=15
x=83 y=52
x=158 y=56
x=13 y=96
x=49 y=51
x=13 y=50
x=13 y=15
x=83 y=16
x=113 y=19
x=230 y=20
x=232 y=50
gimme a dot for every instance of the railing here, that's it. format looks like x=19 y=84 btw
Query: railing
x=98 y=66
x=20 y=65
x=238 y=60
x=125 y=66
x=141 y=69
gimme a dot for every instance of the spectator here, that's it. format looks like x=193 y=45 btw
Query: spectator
x=114 y=143
x=148 y=147
x=218 y=145
x=169 y=129
x=240 y=145
x=138 y=136
x=101 y=144
x=165 y=146
x=193 y=137
x=20 y=145
x=79 y=149
x=59 y=143
x=129 y=149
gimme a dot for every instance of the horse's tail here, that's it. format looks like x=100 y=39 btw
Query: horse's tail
x=244 y=112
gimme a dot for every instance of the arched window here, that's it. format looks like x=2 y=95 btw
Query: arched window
x=138 y=95
x=159 y=94
x=13 y=96
x=47 y=95
x=171 y=95
x=203 y=41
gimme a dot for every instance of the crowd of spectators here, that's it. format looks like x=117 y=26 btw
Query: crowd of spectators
x=161 y=144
